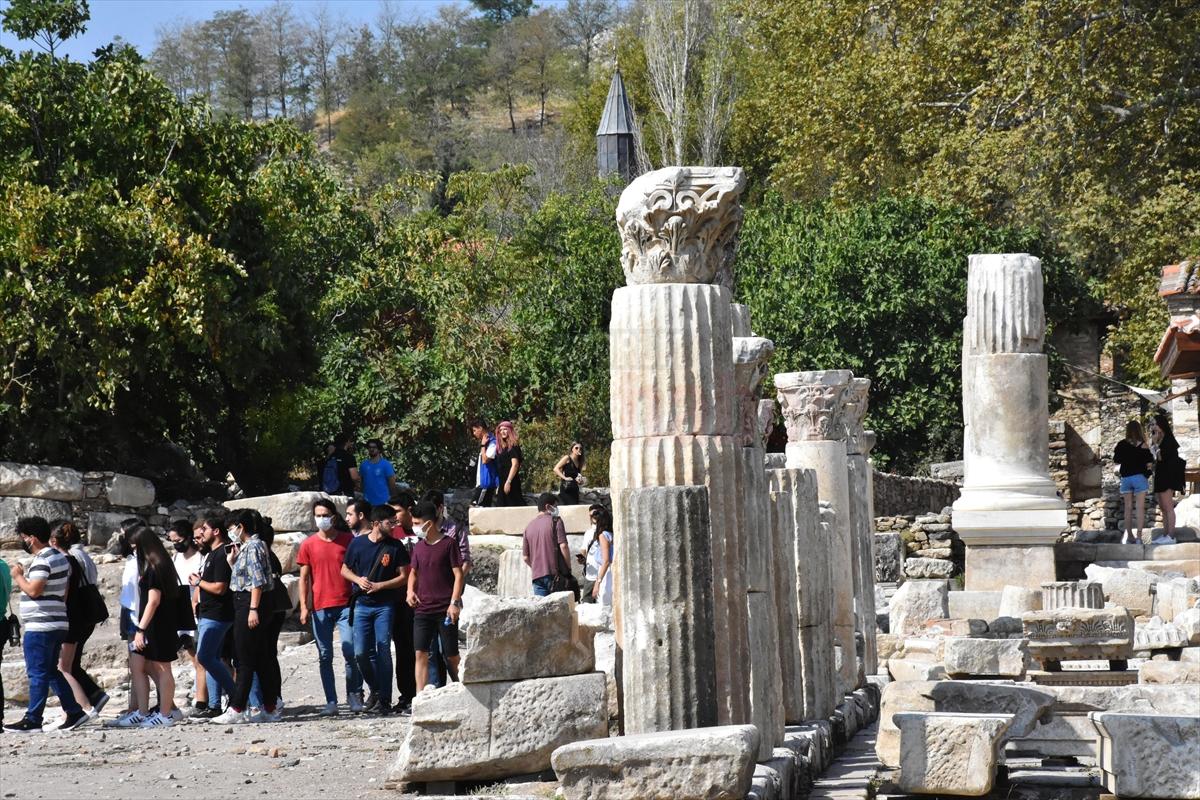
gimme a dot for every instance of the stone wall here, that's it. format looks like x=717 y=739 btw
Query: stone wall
x=901 y=495
x=929 y=547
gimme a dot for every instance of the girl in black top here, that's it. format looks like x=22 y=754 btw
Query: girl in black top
x=1134 y=461
x=1168 y=474
x=569 y=470
x=508 y=466
x=156 y=636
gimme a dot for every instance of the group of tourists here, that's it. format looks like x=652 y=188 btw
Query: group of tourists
x=1138 y=460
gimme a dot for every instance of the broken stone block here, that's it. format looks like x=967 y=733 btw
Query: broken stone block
x=1079 y=633
x=1070 y=594
x=129 y=491
x=1026 y=705
x=1154 y=634
x=286 y=548
x=1188 y=624
x=947 y=753
x=921 y=567
x=514 y=578
x=13 y=508
x=1174 y=596
x=955 y=627
x=966 y=656
x=915 y=668
x=694 y=764
x=1016 y=600
x=1170 y=672
x=974 y=605
x=289 y=511
x=487 y=731
x=916 y=602
x=1128 y=588
x=889 y=557
x=511 y=639
x=47 y=483
x=1148 y=755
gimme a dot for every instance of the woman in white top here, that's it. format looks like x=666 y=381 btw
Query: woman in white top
x=598 y=558
x=187 y=558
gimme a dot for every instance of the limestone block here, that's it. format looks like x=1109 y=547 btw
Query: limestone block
x=928 y=568
x=739 y=317
x=511 y=639
x=1146 y=755
x=754 y=521
x=289 y=511
x=955 y=627
x=16 y=681
x=129 y=491
x=292 y=584
x=594 y=617
x=1173 y=596
x=671 y=361
x=862 y=525
x=1128 y=588
x=514 y=578
x=669 y=673
x=819 y=670
x=889 y=557
x=1155 y=634
x=286 y=548
x=974 y=605
x=1070 y=594
x=1004 y=304
x=1079 y=633
x=915 y=668
x=966 y=656
x=1016 y=600
x=914 y=603
x=1188 y=624
x=766 y=680
x=947 y=753
x=698 y=764
x=13 y=508
x=787 y=593
x=1027 y=706
x=103 y=525
x=711 y=461
x=889 y=645
x=483 y=730
x=512 y=520
x=1169 y=672
x=992 y=567
x=45 y=482
x=815 y=538
x=680 y=225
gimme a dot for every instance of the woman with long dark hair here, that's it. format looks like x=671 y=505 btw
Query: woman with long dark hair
x=1168 y=474
x=156 y=630
x=66 y=539
x=569 y=470
x=250 y=582
x=597 y=558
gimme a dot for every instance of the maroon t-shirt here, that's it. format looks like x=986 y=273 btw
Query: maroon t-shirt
x=540 y=544
x=433 y=566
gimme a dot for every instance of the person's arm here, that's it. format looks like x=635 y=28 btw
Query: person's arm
x=452 y=610
x=305 y=590
x=349 y=575
x=525 y=548
x=512 y=475
x=256 y=593
x=153 y=601
x=562 y=462
x=605 y=563
x=412 y=599
x=33 y=588
x=391 y=583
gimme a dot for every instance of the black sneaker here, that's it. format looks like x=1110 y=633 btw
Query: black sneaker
x=207 y=713
x=372 y=702
x=384 y=710
x=98 y=703
x=73 y=721
x=406 y=711
x=26 y=725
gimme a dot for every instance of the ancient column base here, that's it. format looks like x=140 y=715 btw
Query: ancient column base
x=1009 y=547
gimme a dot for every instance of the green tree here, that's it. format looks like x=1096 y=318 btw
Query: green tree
x=48 y=23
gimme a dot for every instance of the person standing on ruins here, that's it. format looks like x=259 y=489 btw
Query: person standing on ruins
x=435 y=587
x=1134 y=462
x=376 y=565
x=544 y=545
x=1169 y=477
x=598 y=558
x=44 y=613
x=569 y=470
x=325 y=601
x=487 y=481
x=509 y=461
x=376 y=475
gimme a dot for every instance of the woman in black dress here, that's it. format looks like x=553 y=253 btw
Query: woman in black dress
x=1168 y=474
x=156 y=636
x=508 y=466
x=569 y=470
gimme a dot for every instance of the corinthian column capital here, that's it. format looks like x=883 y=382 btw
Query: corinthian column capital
x=814 y=403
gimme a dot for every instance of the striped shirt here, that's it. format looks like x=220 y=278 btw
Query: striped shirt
x=48 y=612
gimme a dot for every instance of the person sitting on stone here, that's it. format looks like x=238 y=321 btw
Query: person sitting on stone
x=1134 y=462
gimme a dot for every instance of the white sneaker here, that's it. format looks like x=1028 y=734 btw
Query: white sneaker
x=157 y=720
x=330 y=709
x=356 y=702
x=231 y=717
x=130 y=719
x=177 y=715
x=1163 y=539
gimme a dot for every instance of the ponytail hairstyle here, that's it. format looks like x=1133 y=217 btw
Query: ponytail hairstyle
x=65 y=533
x=152 y=555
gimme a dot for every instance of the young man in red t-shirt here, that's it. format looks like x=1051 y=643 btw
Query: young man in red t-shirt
x=325 y=597
x=435 y=587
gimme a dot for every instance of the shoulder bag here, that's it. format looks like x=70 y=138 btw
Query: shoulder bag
x=564 y=580
x=96 y=610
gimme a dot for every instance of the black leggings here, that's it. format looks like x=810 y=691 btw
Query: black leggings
x=89 y=686
x=255 y=648
x=402 y=640
x=274 y=626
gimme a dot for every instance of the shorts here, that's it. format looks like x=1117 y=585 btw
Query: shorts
x=1134 y=484
x=427 y=626
x=126 y=624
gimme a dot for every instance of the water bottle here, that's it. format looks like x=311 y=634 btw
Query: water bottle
x=447 y=622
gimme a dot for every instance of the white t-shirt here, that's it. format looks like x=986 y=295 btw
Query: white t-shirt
x=185 y=566
x=129 y=585
x=592 y=568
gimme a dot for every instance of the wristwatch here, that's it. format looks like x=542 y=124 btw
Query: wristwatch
x=457 y=602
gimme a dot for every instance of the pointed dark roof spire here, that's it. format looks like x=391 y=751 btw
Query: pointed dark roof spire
x=618 y=116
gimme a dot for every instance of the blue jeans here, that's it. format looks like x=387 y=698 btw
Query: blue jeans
x=210 y=635
x=323 y=623
x=41 y=663
x=373 y=647
x=541 y=586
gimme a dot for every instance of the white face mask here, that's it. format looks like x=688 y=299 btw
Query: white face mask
x=324 y=523
x=235 y=532
x=422 y=531
x=554 y=511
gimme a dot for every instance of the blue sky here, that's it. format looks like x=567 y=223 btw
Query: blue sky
x=137 y=20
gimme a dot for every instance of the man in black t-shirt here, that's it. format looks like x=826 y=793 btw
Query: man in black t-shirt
x=336 y=472
x=214 y=610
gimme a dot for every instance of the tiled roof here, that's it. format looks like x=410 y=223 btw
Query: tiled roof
x=1181 y=278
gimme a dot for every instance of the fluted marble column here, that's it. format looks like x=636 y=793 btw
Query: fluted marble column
x=671 y=380
x=668 y=678
x=862 y=521
x=1009 y=514
x=813 y=410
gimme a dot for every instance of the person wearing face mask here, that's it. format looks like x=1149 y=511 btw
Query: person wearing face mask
x=325 y=602
x=44 y=613
x=544 y=541
x=435 y=587
x=186 y=557
x=214 y=611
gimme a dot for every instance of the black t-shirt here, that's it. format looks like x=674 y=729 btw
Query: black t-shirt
x=504 y=464
x=215 y=569
x=163 y=622
x=1133 y=460
x=364 y=558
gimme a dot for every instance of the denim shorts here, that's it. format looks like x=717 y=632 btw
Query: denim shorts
x=1134 y=484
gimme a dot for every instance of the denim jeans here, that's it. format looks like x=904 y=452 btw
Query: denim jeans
x=41 y=663
x=373 y=647
x=210 y=636
x=323 y=623
x=541 y=586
